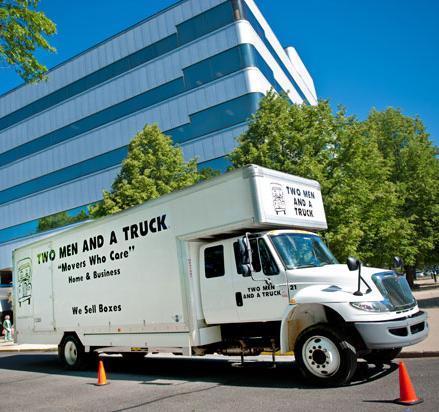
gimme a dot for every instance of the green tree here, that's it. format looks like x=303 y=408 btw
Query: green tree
x=60 y=219
x=414 y=167
x=152 y=168
x=296 y=139
x=22 y=31
x=310 y=141
x=361 y=203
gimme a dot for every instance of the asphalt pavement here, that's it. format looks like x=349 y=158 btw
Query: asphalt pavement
x=427 y=295
x=38 y=382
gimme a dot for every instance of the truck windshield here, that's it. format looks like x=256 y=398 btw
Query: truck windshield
x=300 y=250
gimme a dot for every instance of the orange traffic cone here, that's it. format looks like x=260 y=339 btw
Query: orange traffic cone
x=102 y=377
x=407 y=394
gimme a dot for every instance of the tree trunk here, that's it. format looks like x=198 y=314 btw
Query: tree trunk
x=410 y=272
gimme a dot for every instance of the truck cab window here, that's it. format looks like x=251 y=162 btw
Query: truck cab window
x=214 y=261
x=269 y=266
x=299 y=250
x=261 y=259
x=255 y=256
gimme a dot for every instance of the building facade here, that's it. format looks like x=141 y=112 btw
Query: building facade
x=197 y=69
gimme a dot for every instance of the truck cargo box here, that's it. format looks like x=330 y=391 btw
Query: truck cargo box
x=124 y=278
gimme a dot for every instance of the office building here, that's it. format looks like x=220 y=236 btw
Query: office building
x=198 y=69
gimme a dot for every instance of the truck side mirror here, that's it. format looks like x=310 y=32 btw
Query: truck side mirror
x=244 y=252
x=246 y=270
x=397 y=262
x=353 y=263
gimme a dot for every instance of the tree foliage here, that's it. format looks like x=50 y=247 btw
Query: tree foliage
x=369 y=211
x=152 y=168
x=22 y=31
x=60 y=219
x=414 y=168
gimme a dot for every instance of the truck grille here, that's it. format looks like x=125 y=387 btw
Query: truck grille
x=395 y=289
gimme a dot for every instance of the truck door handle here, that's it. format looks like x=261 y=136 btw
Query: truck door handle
x=238 y=296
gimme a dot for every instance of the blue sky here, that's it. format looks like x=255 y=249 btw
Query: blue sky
x=361 y=54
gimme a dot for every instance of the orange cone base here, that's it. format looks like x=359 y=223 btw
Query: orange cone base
x=102 y=377
x=414 y=402
x=407 y=394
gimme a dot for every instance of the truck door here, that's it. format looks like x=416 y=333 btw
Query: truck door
x=216 y=282
x=264 y=295
x=42 y=290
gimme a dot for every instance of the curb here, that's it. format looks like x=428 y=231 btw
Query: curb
x=24 y=349
x=424 y=354
x=27 y=350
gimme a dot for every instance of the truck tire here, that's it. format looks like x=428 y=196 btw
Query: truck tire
x=71 y=353
x=324 y=356
x=380 y=356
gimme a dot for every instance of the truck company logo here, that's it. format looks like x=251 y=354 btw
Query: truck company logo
x=24 y=281
x=94 y=257
x=298 y=202
x=116 y=238
x=278 y=198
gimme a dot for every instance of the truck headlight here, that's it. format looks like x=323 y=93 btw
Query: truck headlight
x=374 y=306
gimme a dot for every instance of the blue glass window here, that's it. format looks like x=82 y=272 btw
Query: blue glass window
x=204 y=23
x=112 y=113
x=31 y=227
x=200 y=73
x=75 y=171
x=114 y=69
x=220 y=65
x=208 y=70
x=207 y=121
x=220 y=163
x=187 y=31
x=217 y=117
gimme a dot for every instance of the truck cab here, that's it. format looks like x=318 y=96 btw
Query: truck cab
x=287 y=286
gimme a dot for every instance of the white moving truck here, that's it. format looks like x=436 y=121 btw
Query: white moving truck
x=230 y=266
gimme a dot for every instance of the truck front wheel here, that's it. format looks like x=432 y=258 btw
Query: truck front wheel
x=324 y=356
x=71 y=353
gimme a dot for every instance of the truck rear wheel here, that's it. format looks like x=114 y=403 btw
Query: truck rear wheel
x=324 y=356
x=71 y=353
x=379 y=356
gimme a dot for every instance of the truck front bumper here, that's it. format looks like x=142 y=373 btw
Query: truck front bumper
x=394 y=334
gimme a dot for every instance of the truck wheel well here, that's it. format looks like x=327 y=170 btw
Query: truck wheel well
x=333 y=317
x=307 y=315
x=348 y=329
x=71 y=352
x=66 y=335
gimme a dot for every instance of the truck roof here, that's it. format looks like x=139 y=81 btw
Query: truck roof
x=251 y=199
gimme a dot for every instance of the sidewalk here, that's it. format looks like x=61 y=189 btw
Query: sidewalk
x=12 y=347
x=428 y=300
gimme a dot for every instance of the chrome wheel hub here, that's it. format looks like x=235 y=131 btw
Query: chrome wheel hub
x=70 y=353
x=321 y=356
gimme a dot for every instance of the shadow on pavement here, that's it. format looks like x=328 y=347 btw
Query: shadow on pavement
x=159 y=371
x=428 y=303
x=369 y=372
